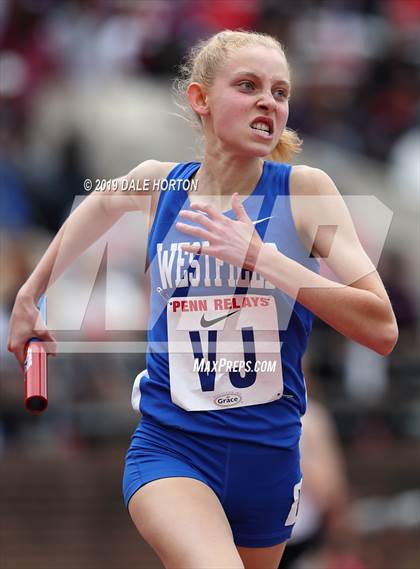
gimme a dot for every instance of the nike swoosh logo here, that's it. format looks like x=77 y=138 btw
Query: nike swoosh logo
x=206 y=323
x=261 y=220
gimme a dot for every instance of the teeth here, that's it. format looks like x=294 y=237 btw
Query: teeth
x=261 y=126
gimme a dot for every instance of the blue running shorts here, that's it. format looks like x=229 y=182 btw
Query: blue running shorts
x=258 y=486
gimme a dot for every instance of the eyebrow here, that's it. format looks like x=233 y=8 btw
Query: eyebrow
x=255 y=76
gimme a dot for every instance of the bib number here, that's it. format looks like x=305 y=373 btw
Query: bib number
x=224 y=351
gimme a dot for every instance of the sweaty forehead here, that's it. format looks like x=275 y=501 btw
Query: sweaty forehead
x=257 y=60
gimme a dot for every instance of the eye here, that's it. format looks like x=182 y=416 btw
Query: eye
x=281 y=93
x=247 y=85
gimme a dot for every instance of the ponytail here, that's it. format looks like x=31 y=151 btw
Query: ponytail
x=288 y=145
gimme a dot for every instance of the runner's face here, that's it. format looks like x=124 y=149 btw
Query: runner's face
x=248 y=100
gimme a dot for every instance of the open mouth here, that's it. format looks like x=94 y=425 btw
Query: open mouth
x=263 y=125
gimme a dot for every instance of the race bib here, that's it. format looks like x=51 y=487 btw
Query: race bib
x=224 y=351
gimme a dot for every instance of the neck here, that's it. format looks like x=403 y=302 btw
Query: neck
x=223 y=174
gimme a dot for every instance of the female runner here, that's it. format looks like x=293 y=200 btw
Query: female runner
x=212 y=476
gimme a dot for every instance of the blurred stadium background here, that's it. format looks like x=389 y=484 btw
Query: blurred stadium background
x=85 y=88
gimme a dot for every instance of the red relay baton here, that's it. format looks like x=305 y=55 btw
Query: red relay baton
x=35 y=370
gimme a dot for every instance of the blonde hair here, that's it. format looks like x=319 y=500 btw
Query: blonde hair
x=205 y=59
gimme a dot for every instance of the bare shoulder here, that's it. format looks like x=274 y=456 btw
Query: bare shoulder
x=326 y=228
x=131 y=192
x=306 y=180
x=311 y=212
x=152 y=170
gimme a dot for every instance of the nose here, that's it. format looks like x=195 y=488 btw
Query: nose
x=266 y=101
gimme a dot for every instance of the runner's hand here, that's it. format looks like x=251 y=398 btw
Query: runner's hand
x=25 y=323
x=233 y=241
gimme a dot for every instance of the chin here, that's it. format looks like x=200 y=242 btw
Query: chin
x=250 y=149
x=259 y=151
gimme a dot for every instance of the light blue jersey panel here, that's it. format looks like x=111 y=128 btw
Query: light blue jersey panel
x=225 y=346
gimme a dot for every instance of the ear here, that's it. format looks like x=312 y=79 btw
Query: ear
x=197 y=99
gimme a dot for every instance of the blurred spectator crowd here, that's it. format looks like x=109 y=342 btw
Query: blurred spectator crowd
x=355 y=71
x=355 y=64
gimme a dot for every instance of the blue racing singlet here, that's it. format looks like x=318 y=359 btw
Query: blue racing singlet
x=224 y=345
